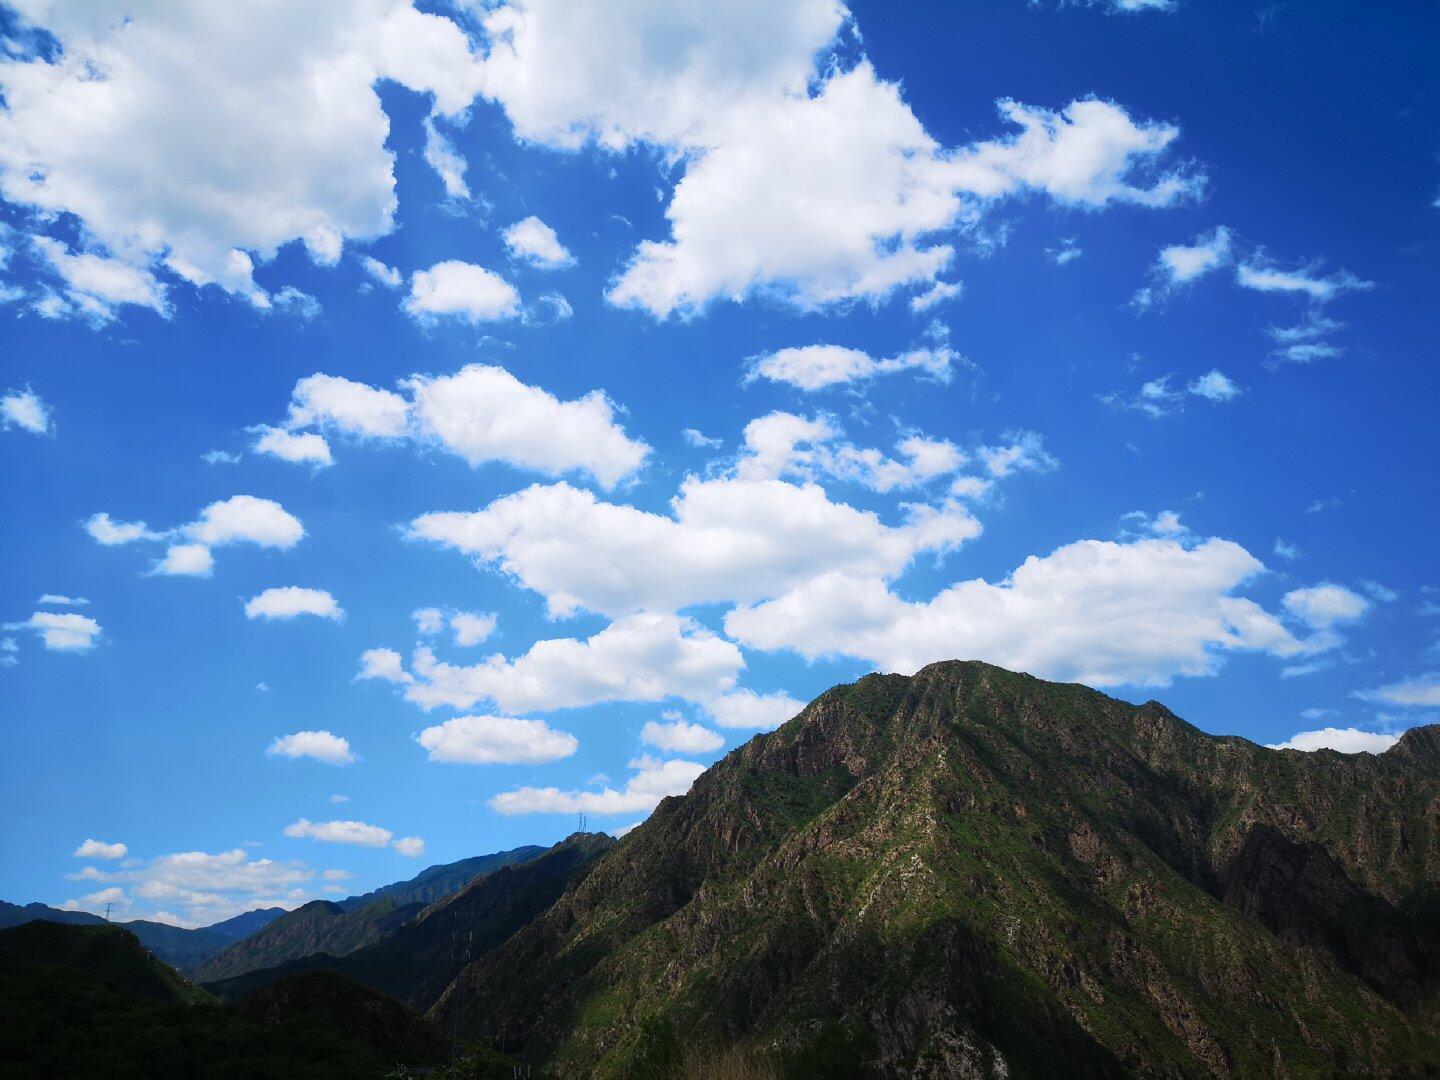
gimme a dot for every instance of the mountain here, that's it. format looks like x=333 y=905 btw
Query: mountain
x=340 y=927
x=316 y=927
x=105 y=952
x=417 y=960
x=973 y=873
x=176 y=946
x=436 y=881
x=89 y=1001
x=245 y=924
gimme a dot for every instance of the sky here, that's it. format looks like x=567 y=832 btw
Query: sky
x=424 y=424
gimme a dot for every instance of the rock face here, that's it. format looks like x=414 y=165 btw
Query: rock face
x=973 y=873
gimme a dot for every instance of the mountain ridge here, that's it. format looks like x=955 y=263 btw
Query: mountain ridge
x=972 y=871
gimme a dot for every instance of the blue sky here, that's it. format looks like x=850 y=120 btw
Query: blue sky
x=673 y=368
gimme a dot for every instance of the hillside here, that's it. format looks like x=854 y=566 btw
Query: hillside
x=435 y=882
x=969 y=872
x=338 y=928
x=316 y=927
x=88 y=1001
x=179 y=947
x=416 y=961
x=106 y=952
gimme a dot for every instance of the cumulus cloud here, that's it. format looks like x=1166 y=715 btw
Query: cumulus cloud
x=867 y=192
x=815 y=367
x=185 y=560
x=642 y=657
x=1181 y=264
x=725 y=540
x=385 y=664
x=449 y=164
x=535 y=243
x=353 y=832
x=99 y=849
x=1345 y=740
x=496 y=740
x=61 y=631
x=331 y=403
x=652 y=781
x=747 y=709
x=290 y=601
x=1214 y=386
x=320 y=745
x=1326 y=605
x=1098 y=612
x=95 y=285
x=307 y=448
x=463 y=291
x=285 y=135
x=1422 y=690
x=470 y=628
x=681 y=737
x=937 y=294
x=25 y=410
x=239 y=519
x=483 y=413
x=58 y=600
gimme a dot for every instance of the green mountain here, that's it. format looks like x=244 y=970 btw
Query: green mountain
x=316 y=927
x=973 y=873
x=105 y=952
x=434 y=882
x=417 y=960
x=339 y=928
x=89 y=1001
x=177 y=946
x=245 y=924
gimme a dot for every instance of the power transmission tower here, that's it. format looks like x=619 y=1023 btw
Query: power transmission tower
x=107 y=912
x=582 y=822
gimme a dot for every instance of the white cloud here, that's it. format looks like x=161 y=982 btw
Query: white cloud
x=642 y=657
x=337 y=799
x=483 y=413
x=699 y=440
x=56 y=600
x=220 y=457
x=284 y=133
x=1214 y=386
x=746 y=709
x=728 y=539
x=463 y=291
x=681 y=737
x=61 y=631
x=496 y=740
x=1098 y=612
x=99 y=849
x=1422 y=690
x=1066 y=252
x=428 y=620
x=340 y=832
x=329 y=402
x=1286 y=550
x=470 y=628
x=94 y=284
x=865 y=190
x=814 y=367
x=320 y=745
x=534 y=242
x=381 y=273
x=1180 y=264
x=385 y=664
x=185 y=560
x=652 y=781
x=1346 y=740
x=25 y=410
x=410 y=846
x=1266 y=278
x=936 y=294
x=246 y=519
x=289 y=601
x=1326 y=605
x=307 y=448
x=449 y=164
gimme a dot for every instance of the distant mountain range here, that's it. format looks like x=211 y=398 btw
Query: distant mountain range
x=962 y=873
